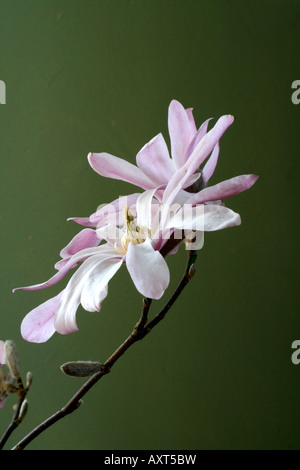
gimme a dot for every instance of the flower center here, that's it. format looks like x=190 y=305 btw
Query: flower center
x=133 y=233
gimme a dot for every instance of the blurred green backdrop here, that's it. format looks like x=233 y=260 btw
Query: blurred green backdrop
x=98 y=75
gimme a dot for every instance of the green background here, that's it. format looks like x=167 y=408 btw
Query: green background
x=87 y=75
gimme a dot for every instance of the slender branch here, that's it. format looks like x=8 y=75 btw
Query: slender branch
x=16 y=419
x=141 y=329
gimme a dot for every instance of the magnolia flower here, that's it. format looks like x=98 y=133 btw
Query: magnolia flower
x=136 y=230
x=155 y=167
x=135 y=244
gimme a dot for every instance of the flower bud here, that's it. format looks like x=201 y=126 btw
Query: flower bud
x=23 y=410
x=81 y=368
x=12 y=360
x=29 y=378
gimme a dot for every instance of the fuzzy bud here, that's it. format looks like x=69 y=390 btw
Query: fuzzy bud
x=81 y=368
x=23 y=410
x=29 y=378
x=12 y=360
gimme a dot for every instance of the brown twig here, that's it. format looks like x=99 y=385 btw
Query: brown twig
x=17 y=416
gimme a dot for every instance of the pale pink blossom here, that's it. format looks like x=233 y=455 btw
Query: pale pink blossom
x=135 y=230
x=154 y=164
x=135 y=244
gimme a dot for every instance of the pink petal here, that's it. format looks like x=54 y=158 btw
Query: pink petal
x=104 y=250
x=211 y=164
x=154 y=160
x=200 y=153
x=189 y=113
x=85 y=221
x=148 y=270
x=87 y=238
x=114 y=167
x=114 y=212
x=181 y=130
x=38 y=325
x=224 y=189
x=89 y=285
x=196 y=139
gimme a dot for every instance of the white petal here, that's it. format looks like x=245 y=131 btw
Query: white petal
x=95 y=289
x=65 y=317
x=204 y=218
x=148 y=270
x=144 y=209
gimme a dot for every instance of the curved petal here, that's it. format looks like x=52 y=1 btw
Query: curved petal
x=95 y=289
x=181 y=130
x=154 y=160
x=224 y=189
x=114 y=167
x=103 y=250
x=85 y=221
x=148 y=270
x=38 y=325
x=87 y=238
x=200 y=153
x=88 y=284
x=196 y=139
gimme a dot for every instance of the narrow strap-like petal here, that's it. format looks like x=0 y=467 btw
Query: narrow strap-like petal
x=197 y=137
x=103 y=250
x=85 y=221
x=181 y=130
x=224 y=189
x=200 y=153
x=114 y=167
x=211 y=164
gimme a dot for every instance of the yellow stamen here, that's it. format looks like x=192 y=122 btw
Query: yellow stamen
x=132 y=234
